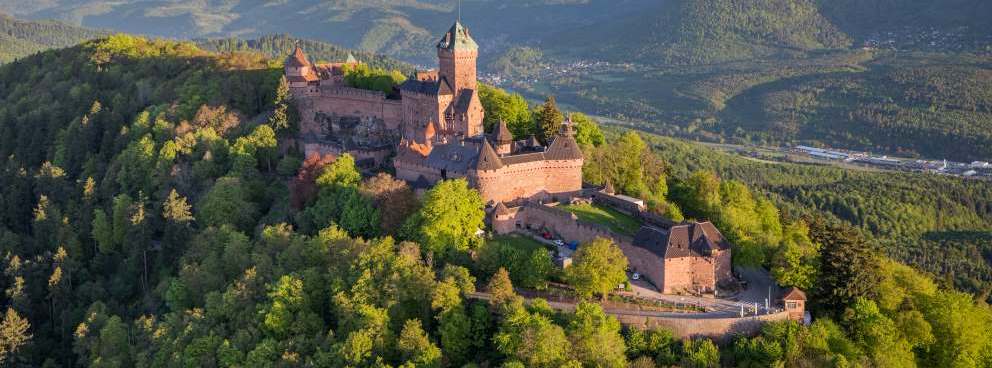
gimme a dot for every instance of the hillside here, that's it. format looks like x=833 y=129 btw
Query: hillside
x=403 y=29
x=708 y=31
x=279 y=46
x=147 y=219
x=22 y=38
x=942 y=225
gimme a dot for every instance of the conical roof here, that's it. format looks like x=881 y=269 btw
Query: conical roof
x=533 y=142
x=457 y=38
x=488 y=159
x=503 y=134
x=297 y=58
x=564 y=147
x=501 y=209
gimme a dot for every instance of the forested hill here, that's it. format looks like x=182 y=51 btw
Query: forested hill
x=707 y=31
x=21 y=38
x=711 y=31
x=154 y=212
x=278 y=46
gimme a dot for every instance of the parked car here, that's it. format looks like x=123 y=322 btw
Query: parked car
x=636 y=276
x=546 y=236
x=559 y=242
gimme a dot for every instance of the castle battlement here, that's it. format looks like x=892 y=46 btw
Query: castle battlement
x=339 y=91
x=441 y=108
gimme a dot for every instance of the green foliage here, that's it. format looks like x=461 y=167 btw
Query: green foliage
x=375 y=79
x=340 y=201
x=447 y=222
x=278 y=46
x=878 y=335
x=586 y=130
x=526 y=260
x=549 y=120
x=796 y=261
x=710 y=31
x=595 y=337
x=531 y=338
x=227 y=203
x=701 y=353
x=22 y=38
x=614 y=220
x=416 y=348
x=848 y=267
x=501 y=105
x=598 y=267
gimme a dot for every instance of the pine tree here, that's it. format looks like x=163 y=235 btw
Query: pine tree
x=549 y=120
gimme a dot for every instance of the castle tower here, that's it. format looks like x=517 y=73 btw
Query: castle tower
x=297 y=64
x=503 y=138
x=457 y=53
x=299 y=73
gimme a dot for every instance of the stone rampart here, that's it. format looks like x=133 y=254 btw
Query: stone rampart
x=694 y=326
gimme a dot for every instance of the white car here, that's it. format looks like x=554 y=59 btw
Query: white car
x=559 y=243
x=636 y=276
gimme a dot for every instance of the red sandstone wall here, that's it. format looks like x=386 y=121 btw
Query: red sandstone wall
x=678 y=275
x=724 y=272
x=459 y=68
x=720 y=329
x=563 y=176
x=644 y=262
x=704 y=274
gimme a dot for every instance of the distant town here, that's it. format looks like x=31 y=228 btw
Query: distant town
x=976 y=169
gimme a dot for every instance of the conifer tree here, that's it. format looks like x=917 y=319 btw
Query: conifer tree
x=549 y=120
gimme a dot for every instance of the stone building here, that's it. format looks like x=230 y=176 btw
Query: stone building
x=430 y=128
x=692 y=257
x=794 y=303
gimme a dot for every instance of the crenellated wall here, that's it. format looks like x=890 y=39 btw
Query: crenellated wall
x=534 y=180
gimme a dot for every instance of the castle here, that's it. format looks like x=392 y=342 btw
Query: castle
x=431 y=128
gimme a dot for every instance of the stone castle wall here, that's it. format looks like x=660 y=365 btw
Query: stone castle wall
x=347 y=101
x=536 y=180
x=719 y=329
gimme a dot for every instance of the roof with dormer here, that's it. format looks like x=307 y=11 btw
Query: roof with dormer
x=298 y=58
x=697 y=239
x=457 y=38
x=503 y=135
x=564 y=147
x=488 y=159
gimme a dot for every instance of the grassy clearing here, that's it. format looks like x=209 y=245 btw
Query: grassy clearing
x=612 y=219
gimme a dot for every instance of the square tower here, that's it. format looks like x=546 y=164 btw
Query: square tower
x=457 y=55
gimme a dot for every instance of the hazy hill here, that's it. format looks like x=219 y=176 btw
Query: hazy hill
x=405 y=29
x=20 y=38
x=278 y=46
x=707 y=31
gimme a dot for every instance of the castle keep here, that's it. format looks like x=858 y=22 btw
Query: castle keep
x=430 y=128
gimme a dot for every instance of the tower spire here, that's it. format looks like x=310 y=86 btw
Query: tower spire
x=459 y=11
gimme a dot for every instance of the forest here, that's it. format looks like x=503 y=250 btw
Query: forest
x=153 y=213
x=20 y=38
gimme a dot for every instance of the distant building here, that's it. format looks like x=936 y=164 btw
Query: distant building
x=691 y=257
x=626 y=204
x=794 y=302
